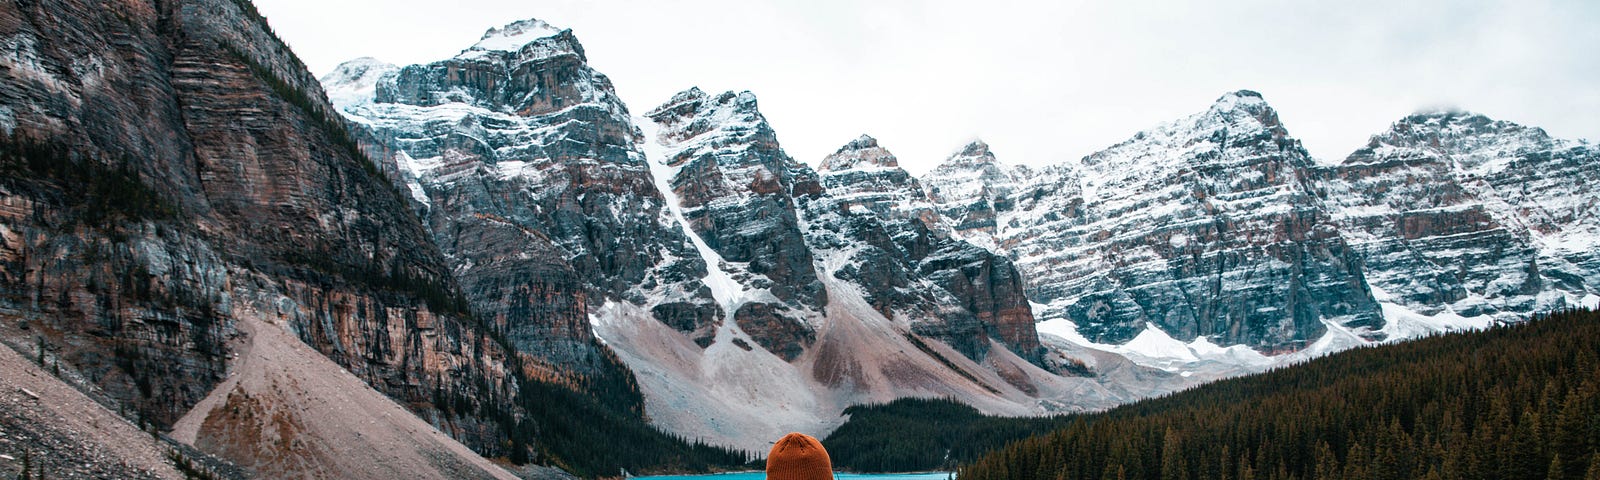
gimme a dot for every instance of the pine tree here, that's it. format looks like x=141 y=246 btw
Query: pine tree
x=1555 y=472
x=1594 y=468
x=1246 y=472
x=1327 y=463
x=1173 y=466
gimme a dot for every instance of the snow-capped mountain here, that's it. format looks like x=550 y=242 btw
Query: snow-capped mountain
x=529 y=171
x=747 y=299
x=1203 y=227
x=750 y=294
x=1458 y=215
x=862 y=173
x=971 y=188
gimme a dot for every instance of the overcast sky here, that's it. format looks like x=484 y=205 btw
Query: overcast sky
x=1042 y=82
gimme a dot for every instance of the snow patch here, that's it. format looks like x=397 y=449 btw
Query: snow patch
x=410 y=167
x=728 y=292
x=511 y=38
x=1403 y=323
x=1155 y=344
x=1178 y=240
x=8 y=120
x=1335 y=340
x=355 y=82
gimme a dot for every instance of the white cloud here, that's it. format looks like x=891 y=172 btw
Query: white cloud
x=1042 y=82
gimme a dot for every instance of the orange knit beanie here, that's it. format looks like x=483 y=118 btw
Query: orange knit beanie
x=798 y=456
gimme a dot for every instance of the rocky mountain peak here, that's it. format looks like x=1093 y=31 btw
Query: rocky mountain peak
x=1471 y=139
x=974 y=153
x=1228 y=178
x=529 y=39
x=355 y=82
x=862 y=142
x=516 y=34
x=863 y=152
x=524 y=69
x=1246 y=100
x=1247 y=97
x=1463 y=214
x=1237 y=120
x=735 y=113
x=523 y=159
x=685 y=99
x=970 y=188
x=1244 y=107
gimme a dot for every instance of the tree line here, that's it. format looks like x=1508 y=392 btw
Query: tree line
x=924 y=434
x=1518 y=401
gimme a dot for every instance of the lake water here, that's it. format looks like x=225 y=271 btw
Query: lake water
x=840 y=476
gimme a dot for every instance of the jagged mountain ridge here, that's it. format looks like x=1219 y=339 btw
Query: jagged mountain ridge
x=528 y=171
x=744 y=256
x=1201 y=227
x=1181 y=247
x=1458 y=214
x=1449 y=220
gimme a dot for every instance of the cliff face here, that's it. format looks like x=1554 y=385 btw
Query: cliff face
x=738 y=190
x=526 y=166
x=169 y=165
x=889 y=212
x=1204 y=227
x=1460 y=214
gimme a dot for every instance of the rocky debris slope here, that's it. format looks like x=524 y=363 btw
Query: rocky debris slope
x=1203 y=227
x=1460 y=215
x=284 y=406
x=63 y=433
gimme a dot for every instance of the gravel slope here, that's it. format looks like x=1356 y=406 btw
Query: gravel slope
x=67 y=434
x=286 y=411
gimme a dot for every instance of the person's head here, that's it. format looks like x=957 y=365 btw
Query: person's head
x=798 y=456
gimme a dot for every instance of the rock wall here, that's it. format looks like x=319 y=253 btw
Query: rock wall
x=168 y=162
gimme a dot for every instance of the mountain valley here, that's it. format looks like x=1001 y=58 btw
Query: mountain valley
x=460 y=267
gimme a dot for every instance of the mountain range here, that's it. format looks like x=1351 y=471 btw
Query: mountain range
x=1214 y=241
x=237 y=252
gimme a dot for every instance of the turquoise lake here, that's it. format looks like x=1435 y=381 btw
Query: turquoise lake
x=840 y=476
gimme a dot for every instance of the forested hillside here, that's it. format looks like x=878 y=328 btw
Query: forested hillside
x=922 y=434
x=1513 y=402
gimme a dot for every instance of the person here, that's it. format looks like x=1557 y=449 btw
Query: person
x=798 y=456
